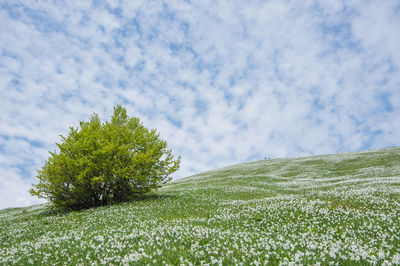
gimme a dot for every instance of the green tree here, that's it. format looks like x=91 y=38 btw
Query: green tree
x=104 y=163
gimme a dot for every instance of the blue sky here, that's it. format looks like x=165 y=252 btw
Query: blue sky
x=223 y=82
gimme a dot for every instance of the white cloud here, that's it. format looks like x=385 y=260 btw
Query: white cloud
x=14 y=192
x=223 y=82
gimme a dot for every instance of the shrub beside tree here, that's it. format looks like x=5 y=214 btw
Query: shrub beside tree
x=104 y=163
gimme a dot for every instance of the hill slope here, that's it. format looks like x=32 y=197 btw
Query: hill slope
x=335 y=208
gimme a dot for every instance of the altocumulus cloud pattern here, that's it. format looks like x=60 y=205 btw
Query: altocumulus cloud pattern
x=222 y=81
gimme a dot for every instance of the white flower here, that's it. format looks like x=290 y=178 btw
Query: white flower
x=396 y=259
x=381 y=254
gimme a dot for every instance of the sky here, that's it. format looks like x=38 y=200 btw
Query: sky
x=223 y=82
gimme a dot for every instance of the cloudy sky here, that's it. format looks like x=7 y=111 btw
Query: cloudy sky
x=224 y=82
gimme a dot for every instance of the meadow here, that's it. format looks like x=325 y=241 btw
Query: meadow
x=339 y=209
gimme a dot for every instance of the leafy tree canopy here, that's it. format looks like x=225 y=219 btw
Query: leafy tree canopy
x=103 y=163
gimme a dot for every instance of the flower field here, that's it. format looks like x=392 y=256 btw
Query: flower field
x=334 y=209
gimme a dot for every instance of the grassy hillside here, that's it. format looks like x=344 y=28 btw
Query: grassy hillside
x=335 y=208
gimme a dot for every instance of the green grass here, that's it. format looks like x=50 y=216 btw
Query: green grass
x=342 y=209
